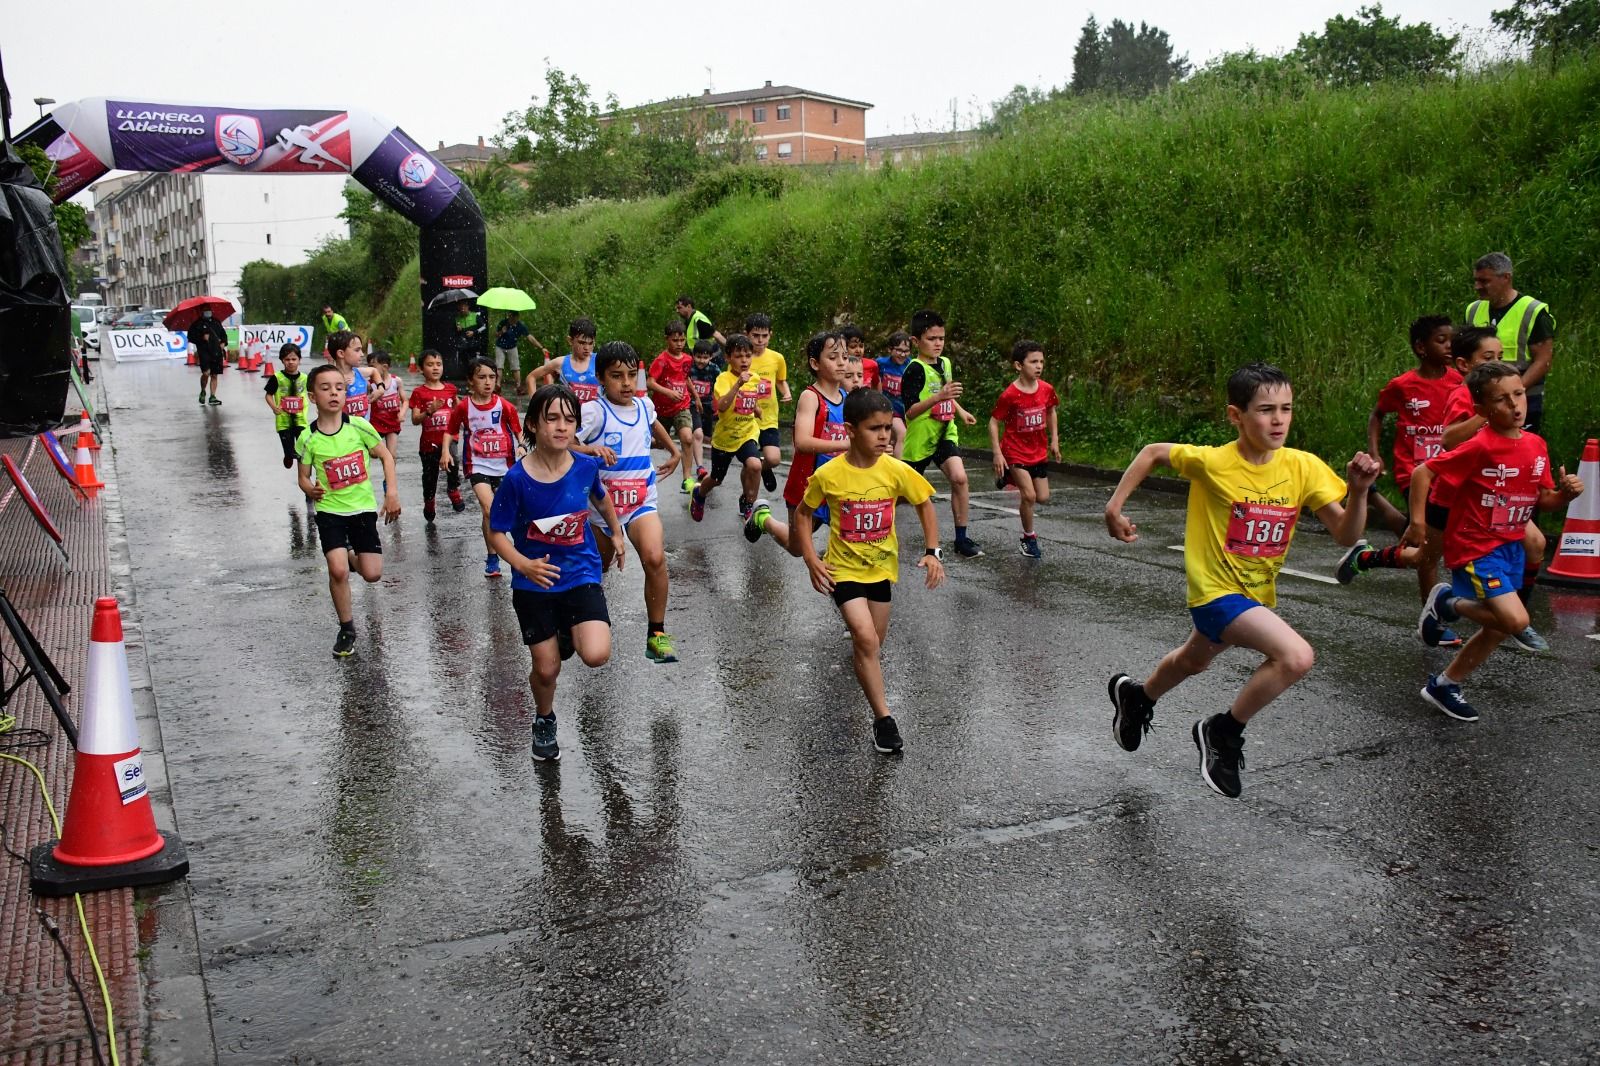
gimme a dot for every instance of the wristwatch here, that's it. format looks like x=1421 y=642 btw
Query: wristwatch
x=935 y=552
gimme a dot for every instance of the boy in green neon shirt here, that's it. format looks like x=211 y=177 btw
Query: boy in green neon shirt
x=334 y=451
x=931 y=396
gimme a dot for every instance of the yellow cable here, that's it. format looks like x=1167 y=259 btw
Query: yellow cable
x=83 y=920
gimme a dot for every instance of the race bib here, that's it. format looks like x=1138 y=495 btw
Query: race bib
x=702 y=389
x=1426 y=446
x=561 y=530
x=1260 y=530
x=292 y=405
x=628 y=494
x=390 y=401
x=496 y=445
x=835 y=431
x=944 y=411
x=1025 y=419
x=440 y=419
x=747 y=403
x=583 y=391
x=891 y=385
x=357 y=406
x=345 y=471
x=1509 y=515
x=866 y=520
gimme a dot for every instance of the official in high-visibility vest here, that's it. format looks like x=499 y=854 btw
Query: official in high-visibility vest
x=1526 y=326
x=332 y=322
x=699 y=326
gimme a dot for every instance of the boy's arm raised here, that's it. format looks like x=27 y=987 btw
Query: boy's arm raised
x=1349 y=520
x=1149 y=457
x=1568 y=488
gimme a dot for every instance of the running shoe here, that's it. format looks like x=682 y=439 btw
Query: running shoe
x=688 y=485
x=745 y=503
x=1436 y=611
x=491 y=566
x=456 y=502
x=968 y=548
x=545 y=748
x=700 y=474
x=288 y=461
x=697 y=505
x=1448 y=638
x=1133 y=712
x=564 y=644
x=755 y=524
x=344 y=645
x=1349 y=566
x=1030 y=548
x=1446 y=695
x=1221 y=759
x=214 y=402
x=769 y=479
x=202 y=397
x=428 y=512
x=1529 y=640
x=886 y=736
x=658 y=649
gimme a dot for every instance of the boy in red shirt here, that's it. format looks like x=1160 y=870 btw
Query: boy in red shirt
x=430 y=404
x=1418 y=399
x=671 y=393
x=855 y=347
x=1026 y=412
x=1501 y=477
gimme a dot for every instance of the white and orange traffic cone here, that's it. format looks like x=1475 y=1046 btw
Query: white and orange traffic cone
x=1576 y=563
x=412 y=367
x=109 y=838
x=83 y=471
x=86 y=433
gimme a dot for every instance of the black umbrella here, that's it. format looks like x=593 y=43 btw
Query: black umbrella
x=451 y=296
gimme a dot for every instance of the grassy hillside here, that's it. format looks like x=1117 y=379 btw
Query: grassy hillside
x=1152 y=246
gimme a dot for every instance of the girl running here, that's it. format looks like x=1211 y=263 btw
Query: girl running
x=539 y=522
x=387 y=401
x=487 y=425
x=347 y=353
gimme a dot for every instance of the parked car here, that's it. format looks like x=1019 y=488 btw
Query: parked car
x=135 y=320
x=88 y=328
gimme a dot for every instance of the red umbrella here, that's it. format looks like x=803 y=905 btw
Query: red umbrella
x=183 y=316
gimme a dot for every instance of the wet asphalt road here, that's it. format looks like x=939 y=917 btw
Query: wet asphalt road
x=722 y=870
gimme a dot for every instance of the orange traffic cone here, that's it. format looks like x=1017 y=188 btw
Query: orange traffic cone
x=194 y=360
x=83 y=471
x=86 y=433
x=1576 y=563
x=269 y=369
x=413 y=368
x=109 y=839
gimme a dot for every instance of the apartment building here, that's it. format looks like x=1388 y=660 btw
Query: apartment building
x=786 y=124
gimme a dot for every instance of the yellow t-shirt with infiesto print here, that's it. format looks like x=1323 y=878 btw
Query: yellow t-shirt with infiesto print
x=862 y=545
x=1242 y=516
x=774 y=368
x=741 y=419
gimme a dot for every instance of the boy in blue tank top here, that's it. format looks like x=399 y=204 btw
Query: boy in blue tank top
x=575 y=370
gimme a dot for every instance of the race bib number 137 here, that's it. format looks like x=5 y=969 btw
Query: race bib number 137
x=862 y=521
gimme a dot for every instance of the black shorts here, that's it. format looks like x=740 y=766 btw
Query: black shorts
x=943 y=452
x=1037 y=471
x=358 y=532
x=875 y=591
x=544 y=614
x=720 y=460
x=209 y=364
x=1436 y=515
x=492 y=480
x=771 y=438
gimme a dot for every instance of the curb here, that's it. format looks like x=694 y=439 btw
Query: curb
x=178 y=1027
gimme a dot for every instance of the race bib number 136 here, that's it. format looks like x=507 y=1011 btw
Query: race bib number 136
x=1261 y=530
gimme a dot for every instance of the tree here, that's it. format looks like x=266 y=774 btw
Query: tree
x=72 y=221
x=1372 y=47
x=1122 y=59
x=1007 y=111
x=1551 y=27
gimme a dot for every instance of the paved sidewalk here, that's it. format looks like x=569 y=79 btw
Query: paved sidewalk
x=43 y=1021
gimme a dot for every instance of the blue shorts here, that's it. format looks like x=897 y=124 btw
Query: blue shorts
x=1212 y=618
x=1495 y=574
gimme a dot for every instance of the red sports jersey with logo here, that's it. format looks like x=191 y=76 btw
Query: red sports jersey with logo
x=488 y=435
x=1419 y=405
x=1497 y=481
x=1026 y=418
x=435 y=425
x=386 y=408
x=1459 y=407
x=671 y=371
x=869 y=373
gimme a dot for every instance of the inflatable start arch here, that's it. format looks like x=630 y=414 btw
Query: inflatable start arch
x=87 y=138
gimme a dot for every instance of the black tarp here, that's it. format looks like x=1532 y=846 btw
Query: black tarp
x=35 y=313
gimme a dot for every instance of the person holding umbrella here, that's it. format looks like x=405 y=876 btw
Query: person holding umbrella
x=210 y=340
x=508 y=335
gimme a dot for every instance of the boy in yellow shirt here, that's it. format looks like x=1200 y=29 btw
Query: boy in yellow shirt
x=736 y=398
x=1244 y=500
x=769 y=365
x=860 y=489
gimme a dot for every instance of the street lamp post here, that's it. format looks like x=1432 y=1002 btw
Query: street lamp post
x=43 y=102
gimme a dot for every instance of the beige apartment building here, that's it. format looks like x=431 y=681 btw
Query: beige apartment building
x=786 y=124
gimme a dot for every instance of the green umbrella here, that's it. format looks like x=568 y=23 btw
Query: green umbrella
x=507 y=300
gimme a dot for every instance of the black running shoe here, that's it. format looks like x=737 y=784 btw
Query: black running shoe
x=1349 y=567
x=545 y=748
x=886 y=736
x=345 y=645
x=1134 y=712
x=1221 y=759
x=213 y=401
x=753 y=525
x=769 y=479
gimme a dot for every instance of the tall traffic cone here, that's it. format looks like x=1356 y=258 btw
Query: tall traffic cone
x=83 y=471
x=86 y=433
x=413 y=368
x=268 y=370
x=1576 y=563
x=109 y=839
x=194 y=360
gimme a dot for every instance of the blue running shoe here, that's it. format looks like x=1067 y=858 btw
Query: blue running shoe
x=1446 y=695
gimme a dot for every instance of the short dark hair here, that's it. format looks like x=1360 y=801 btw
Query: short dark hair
x=684 y=298
x=381 y=356
x=540 y=402
x=1021 y=349
x=863 y=403
x=1244 y=383
x=582 y=327
x=1424 y=326
x=340 y=339
x=325 y=368
x=757 y=320
x=289 y=348
x=924 y=320
x=1468 y=339
x=474 y=365
x=897 y=338
x=704 y=348
x=674 y=327
x=739 y=342
x=615 y=352
x=430 y=353
x=819 y=341
x=1479 y=377
x=852 y=333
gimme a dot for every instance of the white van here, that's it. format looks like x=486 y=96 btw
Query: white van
x=83 y=317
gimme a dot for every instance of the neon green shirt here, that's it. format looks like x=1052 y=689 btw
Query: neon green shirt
x=341 y=464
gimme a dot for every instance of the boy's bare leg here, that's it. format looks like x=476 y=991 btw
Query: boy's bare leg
x=339 y=582
x=1191 y=657
x=592 y=641
x=485 y=497
x=1026 y=496
x=1289 y=658
x=868 y=623
x=546 y=668
x=955 y=471
x=750 y=479
x=645 y=534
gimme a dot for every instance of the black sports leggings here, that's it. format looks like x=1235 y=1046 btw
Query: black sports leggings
x=430 y=475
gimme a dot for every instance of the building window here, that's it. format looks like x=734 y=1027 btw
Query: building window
x=836 y=116
x=785 y=149
x=836 y=153
x=783 y=112
x=761 y=151
x=758 y=114
x=266 y=197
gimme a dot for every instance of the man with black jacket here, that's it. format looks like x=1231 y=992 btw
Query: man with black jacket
x=210 y=342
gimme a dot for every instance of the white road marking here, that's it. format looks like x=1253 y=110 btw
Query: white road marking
x=1291 y=571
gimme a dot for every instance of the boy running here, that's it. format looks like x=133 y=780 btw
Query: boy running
x=288 y=402
x=617 y=429
x=347 y=353
x=575 y=370
x=1500 y=477
x=891 y=367
x=930 y=392
x=334 y=471
x=736 y=399
x=771 y=367
x=702 y=380
x=487 y=426
x=860 y=491
x=431 y=404
x=820 y=434
x=1244 y=500
x=1026 y=414
x=670 y=392
x=388 y=400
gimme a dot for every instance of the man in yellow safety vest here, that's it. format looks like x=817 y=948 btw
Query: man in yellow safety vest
x=1526 y=328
